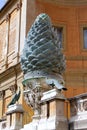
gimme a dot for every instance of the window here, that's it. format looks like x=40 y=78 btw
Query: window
x=59 y=32
x=85 y=37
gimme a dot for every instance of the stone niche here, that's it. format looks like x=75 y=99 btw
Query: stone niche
x=78 y=107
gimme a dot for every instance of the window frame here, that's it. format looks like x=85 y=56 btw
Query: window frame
x=63 y=34
x=82 y=37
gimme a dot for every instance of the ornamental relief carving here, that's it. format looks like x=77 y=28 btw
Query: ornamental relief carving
x=85 y=105
x=73 y=108
x=80 y=107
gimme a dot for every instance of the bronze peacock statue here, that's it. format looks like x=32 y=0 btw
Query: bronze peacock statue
x=15 y=97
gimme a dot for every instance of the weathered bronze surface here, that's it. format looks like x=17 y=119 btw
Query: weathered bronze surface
x=42 y=53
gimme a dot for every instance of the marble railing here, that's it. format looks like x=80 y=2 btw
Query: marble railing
x=78 y=104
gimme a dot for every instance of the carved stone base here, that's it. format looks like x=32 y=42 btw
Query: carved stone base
x=52 y=113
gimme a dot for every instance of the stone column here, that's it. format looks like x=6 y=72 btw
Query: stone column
x=14 y=117
x=2 y=93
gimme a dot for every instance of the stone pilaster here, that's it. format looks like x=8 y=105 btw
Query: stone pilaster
x=23 y=24
x=1 y=103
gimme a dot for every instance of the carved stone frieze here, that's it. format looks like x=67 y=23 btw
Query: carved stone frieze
x=78 y=105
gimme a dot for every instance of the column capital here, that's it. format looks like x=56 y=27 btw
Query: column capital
x=7 y=17
x=2 y=93
x=13 y=88
x=19 y=5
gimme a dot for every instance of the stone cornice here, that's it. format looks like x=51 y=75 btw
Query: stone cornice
x=68 y=2
x=76 y=72
x=9 y=7
x=12 y=70
x=76 y=58
x=83 y=95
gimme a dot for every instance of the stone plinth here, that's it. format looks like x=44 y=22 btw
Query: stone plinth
x=14 y=117
x=52 y=111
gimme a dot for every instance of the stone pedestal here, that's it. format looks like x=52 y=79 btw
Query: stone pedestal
x=52 y=111
x=14 y=117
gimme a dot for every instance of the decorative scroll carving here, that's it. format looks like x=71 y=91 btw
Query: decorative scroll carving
x=33 y=97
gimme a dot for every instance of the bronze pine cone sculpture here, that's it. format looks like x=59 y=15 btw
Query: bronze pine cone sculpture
x=42 y=52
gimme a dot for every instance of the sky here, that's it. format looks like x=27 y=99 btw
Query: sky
x=2 y=2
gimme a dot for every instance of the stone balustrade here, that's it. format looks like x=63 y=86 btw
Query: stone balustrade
x=78 y=111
